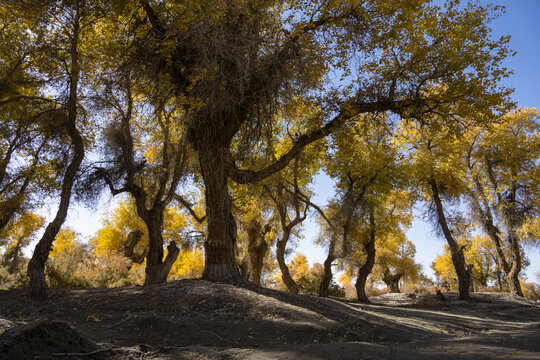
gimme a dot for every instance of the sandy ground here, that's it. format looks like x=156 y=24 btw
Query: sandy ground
x=194 y=319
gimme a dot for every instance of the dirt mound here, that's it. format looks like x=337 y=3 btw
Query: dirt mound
x=195 y=319
x=44 y=340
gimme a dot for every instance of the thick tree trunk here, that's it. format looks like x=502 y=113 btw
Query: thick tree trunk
x=220 y=245
x=327 y=275
x=513 y=220
x=257 y=247
x=457 y=253
x=515 y=269
x=392 y=281
x=499 y=279
x=257 y=251
x=280 y=255
x=365 y=270
x=157 y=269
x=157 y=274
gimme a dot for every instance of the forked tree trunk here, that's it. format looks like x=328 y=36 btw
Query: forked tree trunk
x=253 y=262
x=327 y=275
x=158 y=273
x=157 y=269
x=220 y=244
x=509 y=270
x=285 y=273
x=366 y=269
x=392 y=281
x=513 y=219
x=457 y=253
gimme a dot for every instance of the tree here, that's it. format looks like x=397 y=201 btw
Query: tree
x=367 y=170
x=233 y=65
x=395 y=261
x=73 y=24
x=502 y=164
x=379 y=235
x=291 y=205
x=256 y=235
x=18 y=235
x=144 y=160
x=26 y=164
x=437 y=156
x=126 y=234
x=479 y=254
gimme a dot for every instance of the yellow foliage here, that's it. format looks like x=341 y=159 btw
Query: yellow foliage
x=65 y=242
x=345 y=279
x=20 y=232
x=123 y=219
x=189 y=265
x=118 y=223
x=299 y=266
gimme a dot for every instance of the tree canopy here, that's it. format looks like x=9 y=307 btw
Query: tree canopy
x=212 y=119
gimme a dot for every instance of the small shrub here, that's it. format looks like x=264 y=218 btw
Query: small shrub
x=373 y=291
x=17 y=279
x=418 y=288
x=531 y=290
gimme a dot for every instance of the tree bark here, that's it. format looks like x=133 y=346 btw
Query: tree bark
x=158 y=273
x=220 y=244
x=327 y=275
x=367 y=267
x=392 y=281
x=515 y=269
x=157 y=269
x=257 y=248
x=132 y=240
x=36 y=266
x=457 y=253
x=513 y=219
x=280 y=255
x=483 y=210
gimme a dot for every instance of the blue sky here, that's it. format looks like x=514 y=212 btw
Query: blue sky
x=521 y=22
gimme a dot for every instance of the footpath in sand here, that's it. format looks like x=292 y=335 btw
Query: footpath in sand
x=195 y=319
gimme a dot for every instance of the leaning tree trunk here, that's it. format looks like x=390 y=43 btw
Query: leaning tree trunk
x=366 y=269
x=457 y=253
x=157 y=269
x=220 y=245
x=327 y=275
x=280 y=255
x=36 y=266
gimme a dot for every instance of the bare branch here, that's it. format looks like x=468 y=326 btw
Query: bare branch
x=189 y=207
x=348 y=111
